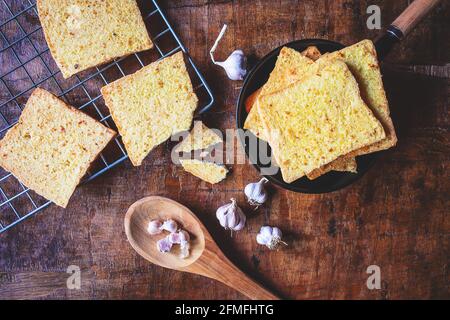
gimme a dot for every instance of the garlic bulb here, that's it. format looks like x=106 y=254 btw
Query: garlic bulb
x=154 y=227
x=270 y=237
x=256 y=193
x=164 y=244
x=169 y=225
x=231 y=216
x=235 y=65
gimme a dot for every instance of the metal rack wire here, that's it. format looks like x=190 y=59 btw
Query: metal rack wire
x=26 y=63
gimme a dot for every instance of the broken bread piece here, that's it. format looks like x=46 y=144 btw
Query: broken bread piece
x=207 y=171
x=200 y=137
x=317 y=119
x=151 y=105
x=85 y=33
x=52 y=146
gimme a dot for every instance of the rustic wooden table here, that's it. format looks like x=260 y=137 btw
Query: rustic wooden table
x=395 y=217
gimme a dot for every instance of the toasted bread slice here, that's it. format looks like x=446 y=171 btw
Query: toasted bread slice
x=200 y=137
x=207 y=171
x=291 y=66
x=361 y=58
x=151 y=105
x=317 y=119
x=85 y=33
x=51 y=147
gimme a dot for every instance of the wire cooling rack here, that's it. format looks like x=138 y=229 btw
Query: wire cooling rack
x=26 y=63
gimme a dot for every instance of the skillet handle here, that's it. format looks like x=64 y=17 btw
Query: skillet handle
x=413 y=15
x=409 y=18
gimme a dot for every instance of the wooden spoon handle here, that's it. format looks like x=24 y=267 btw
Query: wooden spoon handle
x=216 y=266
x=413 y=14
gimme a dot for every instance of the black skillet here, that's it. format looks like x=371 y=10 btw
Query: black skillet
x=260 y=73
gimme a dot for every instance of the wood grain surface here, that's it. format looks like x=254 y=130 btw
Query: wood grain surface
x=396 y=216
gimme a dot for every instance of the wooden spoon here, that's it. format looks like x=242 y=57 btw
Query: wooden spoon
x=205 y=256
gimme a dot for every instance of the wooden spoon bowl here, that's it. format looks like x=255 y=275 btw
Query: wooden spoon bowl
x=147 y=209
x=205 y=256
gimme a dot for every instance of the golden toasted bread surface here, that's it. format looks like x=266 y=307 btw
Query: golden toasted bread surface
x=361 y=58
x=207 y=171
x=151 y=105
x=52 y=146
x=85 y=33
x=200 y=137
x=317 y=119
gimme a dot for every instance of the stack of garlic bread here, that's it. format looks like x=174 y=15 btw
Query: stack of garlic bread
x=319 y=112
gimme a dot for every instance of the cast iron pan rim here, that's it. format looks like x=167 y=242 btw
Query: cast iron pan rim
x=240 y=102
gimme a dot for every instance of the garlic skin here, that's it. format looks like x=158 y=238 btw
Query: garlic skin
x=231 y=217
x=235 y=65
x=164 y=245
x=154 y=227
x=270 y=237
x=256 y=193
x=169 y=225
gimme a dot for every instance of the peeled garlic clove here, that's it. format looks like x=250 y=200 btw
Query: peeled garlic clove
x=164 y=245
x=154 y=227
x=184 y=249
x=256 y=193
x=170 y=225
x=184 y=236
x=174 y=238
x=179 y=237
